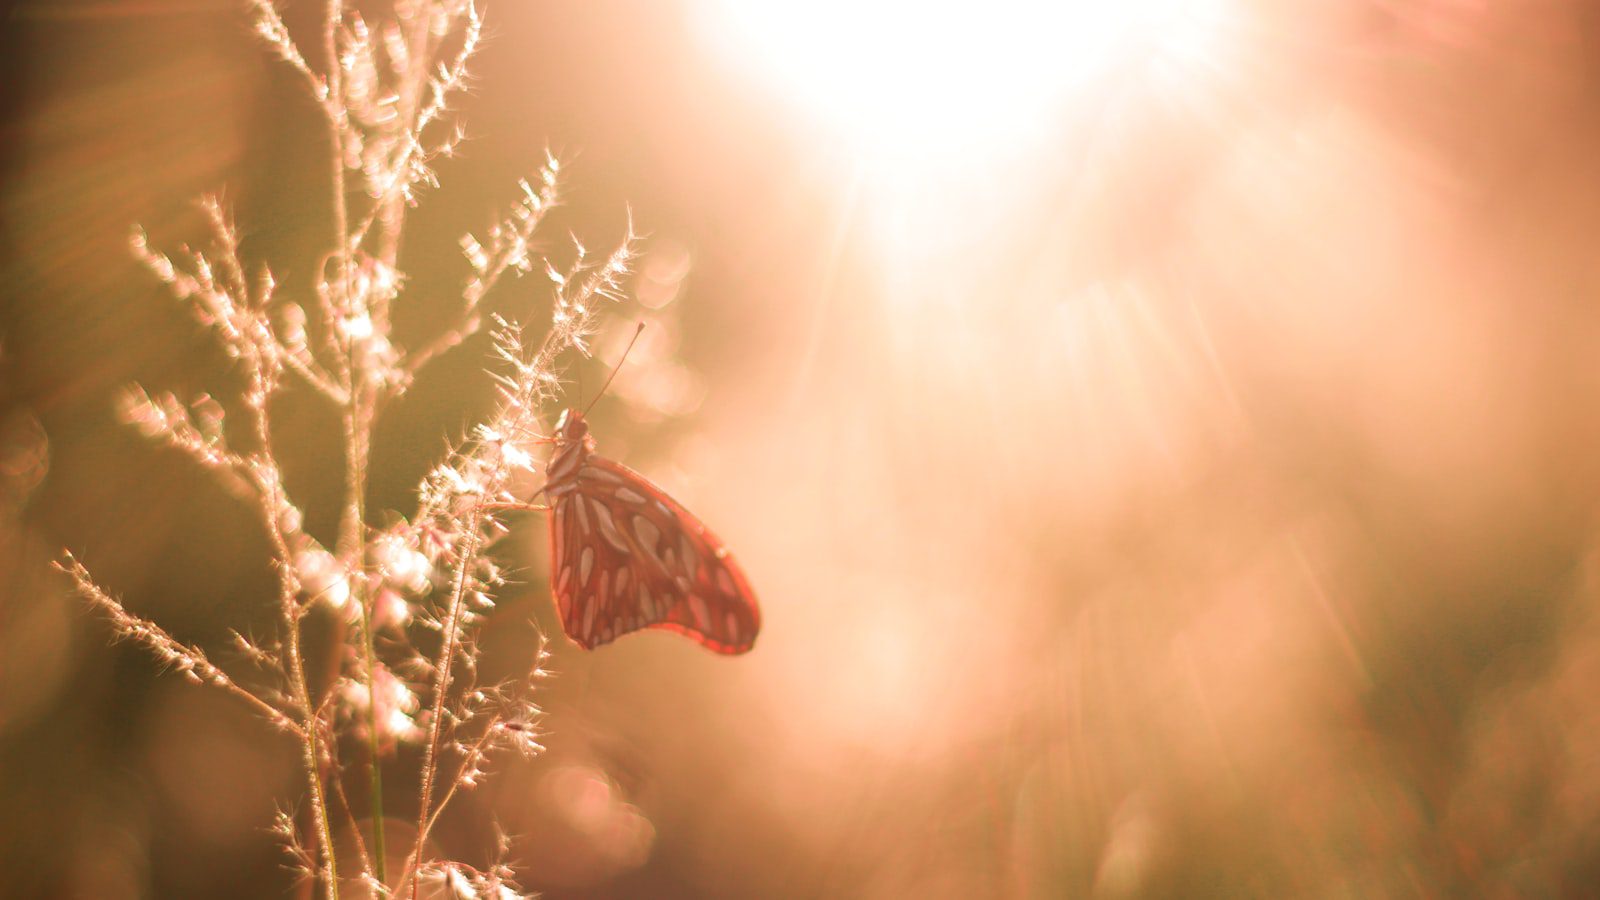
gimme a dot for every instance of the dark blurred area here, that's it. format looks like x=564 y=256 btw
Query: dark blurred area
x=1167 y=465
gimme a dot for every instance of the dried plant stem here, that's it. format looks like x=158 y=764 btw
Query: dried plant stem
x=168 y=649
x=338 y=121
x=337 y=793
x=379 y=96
x=312 y=758
x=274 y=506
x=441 y=688
x=353 y=549
x=476 y=752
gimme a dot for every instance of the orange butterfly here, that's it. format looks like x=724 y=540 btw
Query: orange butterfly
x=625 y=556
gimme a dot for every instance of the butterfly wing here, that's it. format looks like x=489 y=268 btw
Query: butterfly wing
x=626 y=556
x=584 y=600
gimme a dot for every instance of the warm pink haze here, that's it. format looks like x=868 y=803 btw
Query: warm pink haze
x=1163 y=437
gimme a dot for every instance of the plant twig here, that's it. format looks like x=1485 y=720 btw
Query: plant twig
x=187 y=659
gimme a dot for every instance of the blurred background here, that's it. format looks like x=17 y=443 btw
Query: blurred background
x=1163 y=437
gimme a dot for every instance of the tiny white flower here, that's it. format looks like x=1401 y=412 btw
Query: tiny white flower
x=357 y=327
x=400 y=564
x=518 y=458
x=323 y=577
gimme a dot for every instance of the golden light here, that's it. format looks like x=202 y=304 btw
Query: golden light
x=920 y=80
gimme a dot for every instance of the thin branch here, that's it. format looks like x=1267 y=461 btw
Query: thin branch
x=188 y=659
x=337 y=780
x=509 y=242
x=269 y=26
x=413 y=860
x=441 y=686
x=315 y=377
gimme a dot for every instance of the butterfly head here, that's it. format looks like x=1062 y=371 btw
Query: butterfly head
x=571 y=428
x=573 y=444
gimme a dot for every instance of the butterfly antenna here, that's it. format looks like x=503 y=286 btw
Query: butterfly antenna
x=615 y=369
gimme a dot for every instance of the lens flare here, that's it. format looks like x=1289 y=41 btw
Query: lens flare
x=917 y=80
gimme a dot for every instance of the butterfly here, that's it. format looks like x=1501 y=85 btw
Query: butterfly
x=625 y=556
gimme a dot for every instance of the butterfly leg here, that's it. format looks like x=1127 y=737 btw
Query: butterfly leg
x=517 y=507
x=520 y=507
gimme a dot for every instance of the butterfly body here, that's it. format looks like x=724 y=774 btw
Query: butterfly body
x=626 y=556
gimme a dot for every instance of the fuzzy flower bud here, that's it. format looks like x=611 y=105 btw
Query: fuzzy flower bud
x=401 y=565
x=322 y=577
x=395 y=705
x=389 y=610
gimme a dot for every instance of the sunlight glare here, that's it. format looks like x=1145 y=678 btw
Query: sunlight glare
x=902 y=78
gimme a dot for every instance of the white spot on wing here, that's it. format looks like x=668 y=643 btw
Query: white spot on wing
x=702 y=615
x=585 y=565
x=629 y=495
x=649 y=535
x=583 y=514
x=691 y=560
x=608 y=528
x=587 y=631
